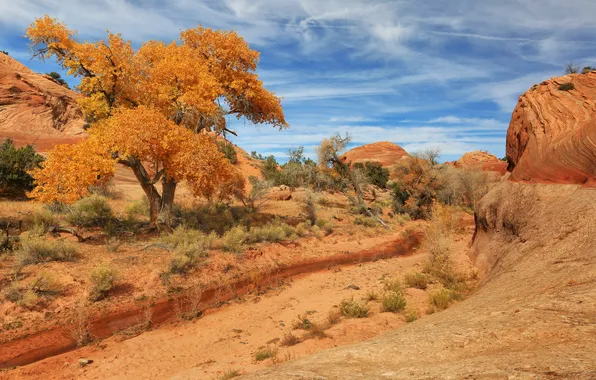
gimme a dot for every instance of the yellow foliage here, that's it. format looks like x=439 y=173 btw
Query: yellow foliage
x=69 y=171
x=150 y=108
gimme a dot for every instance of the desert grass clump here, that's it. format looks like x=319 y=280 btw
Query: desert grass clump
x=441 y=299
x=393 y=302
x=365 y=221
x=229 y=374
x=41 y=221
x=302 y=323
x=186 y=236
x=333 y=317
x=371 y=295
x=102 y=278
x=113 y=244
x=93 y=211
x=265 y=353
x=185 y=257
x=567 y=86
x=289 y=339
x=317 y=330
x=46 y=284
x=411 y=316
x=269 y=233
x=36 y=249
x=234 y=239
x=416 y=280
x=353 y=309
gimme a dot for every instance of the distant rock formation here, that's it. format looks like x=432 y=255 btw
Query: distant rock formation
x=481 y=160
x=552 y=134
x=385 y=152
x=34 y=106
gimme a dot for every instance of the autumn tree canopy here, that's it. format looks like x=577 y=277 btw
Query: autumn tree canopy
x=155 y=109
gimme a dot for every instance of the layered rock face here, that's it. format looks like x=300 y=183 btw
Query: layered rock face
x=552 y=134
x=34 y=105
x=483 y=161
x=385 y=152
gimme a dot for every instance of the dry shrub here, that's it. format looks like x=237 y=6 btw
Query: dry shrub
x=365 y=221
x=91 y=211
x=22 y=296
x=317 y=330
x=415 y=188
x=102 y=278
x=310 y=208
x=441 y=299
x=265 y=353
x=113 y=244
x=412 y=315
x=465 y=187
x=353 y=309
x=229 y=374
x=36 y=249
x=289 y=339
x=186 y=236
x=234 y=239
x=40 y=221
x=302 y=323
x=416 y=280
x=46 y=283
x=333 y=317
x=371 y=296
x=393 y=302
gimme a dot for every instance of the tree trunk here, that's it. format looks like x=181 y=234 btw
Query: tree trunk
x=148 y=187
x=167 y=200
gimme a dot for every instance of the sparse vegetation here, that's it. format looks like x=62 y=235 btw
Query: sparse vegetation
x=587 y=70
x=571 y=68
x=228 y=150
x=46 y=284
x=568 y=86
x=365 y=221
x=58 y=78
x=441 y=299
x=265 y=353
x=411 y=316
x=36 y=249
x=353 y=309
x=93 y=211
x=289 y=339
x=333 y=317
x=393 y=302
x=416 y=280
x=102 y=279
x=229 y=374
x=371 y=296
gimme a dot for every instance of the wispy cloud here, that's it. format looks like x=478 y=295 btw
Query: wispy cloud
x=419 y=73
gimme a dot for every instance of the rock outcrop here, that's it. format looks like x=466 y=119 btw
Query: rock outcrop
x=483 y=161
x=385 y=152
x=33 y=106
x=552 y=135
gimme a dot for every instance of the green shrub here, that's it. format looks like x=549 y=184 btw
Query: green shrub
x=185 y=236
x=102 y=278
x=15 y=165
x=234 y=239
x=310 y=208
x=36 y=249
x=91 y=211
x=393 y=302
x=441 y=299
x=365 y=221
x=567 y=86
x=353 y=309
x=46 y=283
x=228 y=151
x=411 y=316
x=375 y=173
x=137 y=209
x=58 y=78
x=265 y=353
x=416 y=280
x=186 y=256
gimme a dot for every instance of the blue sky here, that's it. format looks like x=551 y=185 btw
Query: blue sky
x=418 y=73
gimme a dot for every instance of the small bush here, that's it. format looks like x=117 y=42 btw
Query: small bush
x=441 y=299
x=265 y=353
x=310 y=208
x=302 y=323
x=137 y=209
x=24 y=297
x=269 y=233
x=103 y=278
x=333 y=317
x=15 y=165
x=393 y=286
x=189 y=237
x=411 y=316
x=228 y=151
x=393 y=302
x=289 y=339
x=567 y=86
x=371 y=296
x=36 y=249
x=42 y=220
x=375 y=173
x=353 y=309
x=185 y=257
x=91 y=211
x=587 y=69
x=46 y=283
x=113 y=244
x=365 y=221
x=230 y=374
x=234 y=239
x=416 y=280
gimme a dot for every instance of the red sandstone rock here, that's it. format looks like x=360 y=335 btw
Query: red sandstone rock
x=385 y=152
x=33 y=106
x=481 y=160
x=552 y=134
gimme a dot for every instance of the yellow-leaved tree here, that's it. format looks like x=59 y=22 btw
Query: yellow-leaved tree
x=155 y=110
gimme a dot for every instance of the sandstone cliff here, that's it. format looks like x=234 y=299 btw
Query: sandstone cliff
x=33 y=106
x=483 y=161
x=552 y=135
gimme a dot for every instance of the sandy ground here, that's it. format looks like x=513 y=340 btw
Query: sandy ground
x=227 y=338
